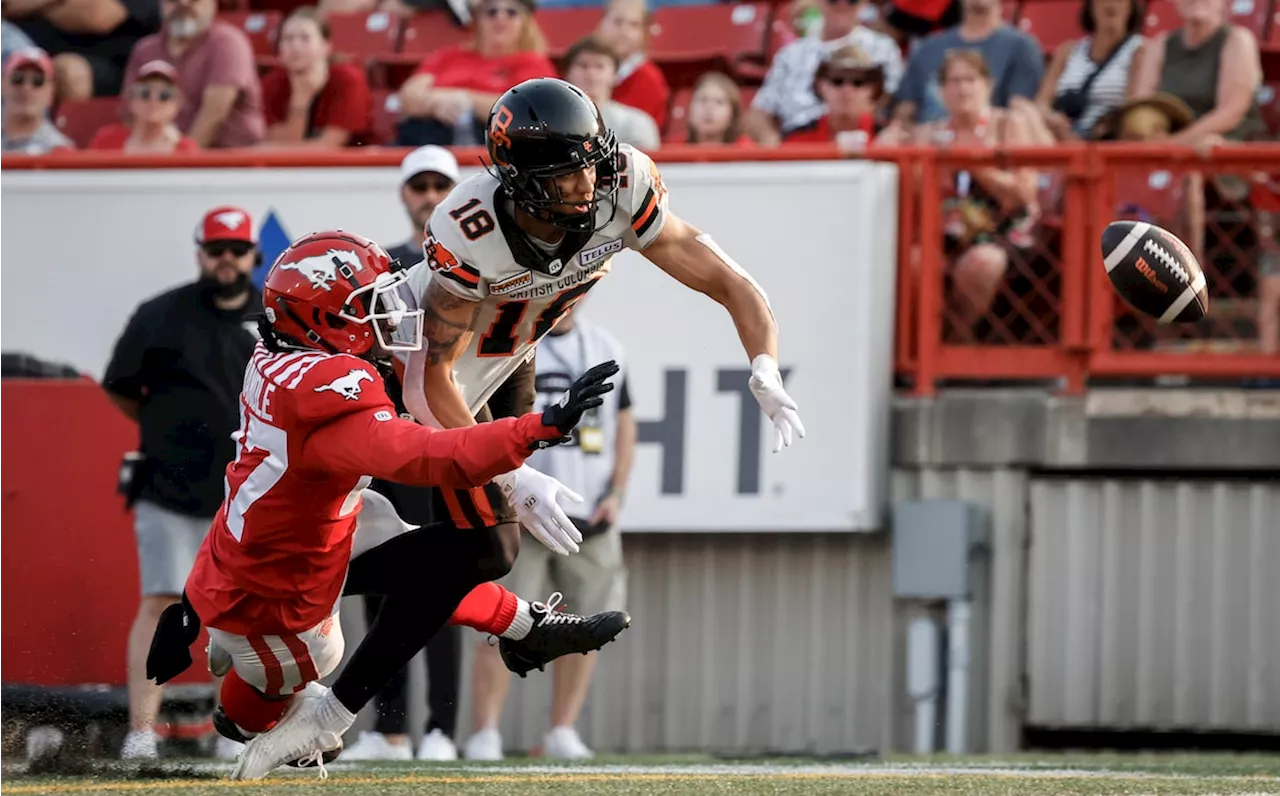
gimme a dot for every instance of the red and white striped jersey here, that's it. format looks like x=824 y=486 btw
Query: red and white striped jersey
x=314 y=429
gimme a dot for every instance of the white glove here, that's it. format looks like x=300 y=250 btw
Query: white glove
x=535 y=498
x=766 y=386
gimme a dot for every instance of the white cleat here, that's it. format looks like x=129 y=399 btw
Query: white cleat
x=307 y=730
x=564 y=743
x=140 y=745
x=484 y=745
x=375 y=746
x=435 y=745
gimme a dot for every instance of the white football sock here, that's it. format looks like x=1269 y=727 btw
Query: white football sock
x=522 y=624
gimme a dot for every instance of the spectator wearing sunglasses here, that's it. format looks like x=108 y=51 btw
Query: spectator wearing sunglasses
x=448 y=99
x=216 y=72
x=28 y=94
x=850 y=86
x=311 y=100
x=787 y=102
x=427 y=175
x=154 y=103
x=176 y=371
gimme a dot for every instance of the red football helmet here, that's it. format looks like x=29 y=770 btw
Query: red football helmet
x=338 y=292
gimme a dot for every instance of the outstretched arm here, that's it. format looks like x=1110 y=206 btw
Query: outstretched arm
x=693 y=258
x=696 y=261
x=379 y=444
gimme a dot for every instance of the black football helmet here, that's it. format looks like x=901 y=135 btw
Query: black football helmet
x=546 y=128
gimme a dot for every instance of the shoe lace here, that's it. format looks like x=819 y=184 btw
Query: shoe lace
x=315 y=759
x=547 y=614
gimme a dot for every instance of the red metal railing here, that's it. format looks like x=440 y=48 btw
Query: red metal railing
x=1065 y=322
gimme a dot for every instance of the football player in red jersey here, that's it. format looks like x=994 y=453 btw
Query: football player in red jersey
x=296 y=523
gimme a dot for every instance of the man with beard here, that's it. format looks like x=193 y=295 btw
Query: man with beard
x=176 y=371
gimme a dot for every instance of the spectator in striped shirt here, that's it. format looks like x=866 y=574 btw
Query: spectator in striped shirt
x=787 y=102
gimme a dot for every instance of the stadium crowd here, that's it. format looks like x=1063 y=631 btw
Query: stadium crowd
x=164 y=75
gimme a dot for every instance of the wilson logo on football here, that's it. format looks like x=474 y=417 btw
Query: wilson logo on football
x=438 y=257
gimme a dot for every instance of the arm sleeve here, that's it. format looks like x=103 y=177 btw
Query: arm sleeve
x=231 y=62
x=773 y=92
x=126 y=372
x=624 y=395
x=911 y=86
x=1026 y=70
x=646 y=198
x=275 y=96
x=379 y=444
x=351 y=106
x=892 y=67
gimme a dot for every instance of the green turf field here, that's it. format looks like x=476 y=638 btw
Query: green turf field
x=1024 y=775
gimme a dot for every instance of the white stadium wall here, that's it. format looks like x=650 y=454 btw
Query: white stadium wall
x=820 y=237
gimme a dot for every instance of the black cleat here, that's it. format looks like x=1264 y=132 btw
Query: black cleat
x=228 y=729
x=557 y=633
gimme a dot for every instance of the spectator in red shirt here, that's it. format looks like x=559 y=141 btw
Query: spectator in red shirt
x=154 y=102
x=715 y=111
x=640 y=83
x=309 y=101
x=447 y=101
x=850 y=85
x=216 y=74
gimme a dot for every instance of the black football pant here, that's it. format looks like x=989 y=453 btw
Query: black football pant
x=423 y=575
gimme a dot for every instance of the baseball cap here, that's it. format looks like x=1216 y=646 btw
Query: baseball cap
x=29 y=56
x=428 y=158
x=160 y=69
x=225 y=223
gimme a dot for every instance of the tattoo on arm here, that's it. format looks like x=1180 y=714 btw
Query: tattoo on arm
x=447 y=323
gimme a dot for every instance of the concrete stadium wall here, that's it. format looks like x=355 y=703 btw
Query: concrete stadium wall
x=1135 y=537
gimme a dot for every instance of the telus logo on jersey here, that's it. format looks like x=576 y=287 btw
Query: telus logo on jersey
x=347 y=386
x=322 y=270
x=589 y=256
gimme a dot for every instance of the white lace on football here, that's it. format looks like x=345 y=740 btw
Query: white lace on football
x=1165 y=256
x=548 y=615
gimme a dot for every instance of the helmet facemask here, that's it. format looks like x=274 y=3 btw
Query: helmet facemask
x=534 y=190
x=395 y=326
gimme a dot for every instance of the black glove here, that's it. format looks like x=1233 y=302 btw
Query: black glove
x=170 y=653
x=585 y=393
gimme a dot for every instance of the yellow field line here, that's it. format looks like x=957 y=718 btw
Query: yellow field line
x=420 y=779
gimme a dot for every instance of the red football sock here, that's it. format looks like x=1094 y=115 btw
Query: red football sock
x=251 y=710
x=489 y=608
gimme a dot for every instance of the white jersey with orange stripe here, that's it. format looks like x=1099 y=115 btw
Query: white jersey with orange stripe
x=468 y=253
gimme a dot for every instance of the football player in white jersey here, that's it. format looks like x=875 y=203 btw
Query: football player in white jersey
x=511 y=249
